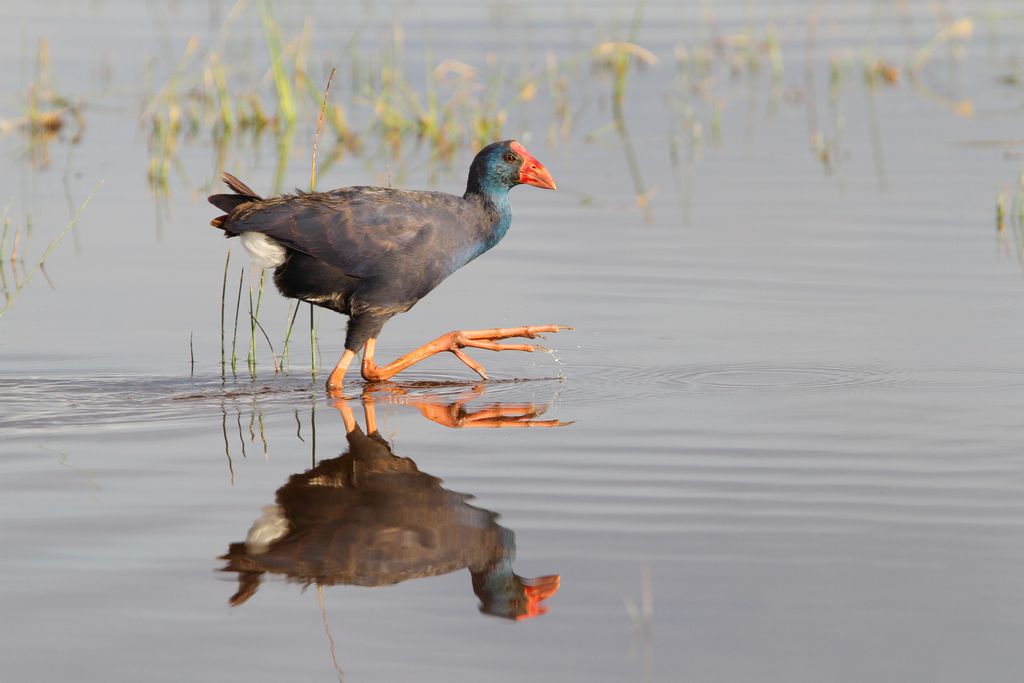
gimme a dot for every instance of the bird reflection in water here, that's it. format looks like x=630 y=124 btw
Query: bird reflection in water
x=371 y=518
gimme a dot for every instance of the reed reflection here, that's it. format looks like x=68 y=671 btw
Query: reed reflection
x=371 y=518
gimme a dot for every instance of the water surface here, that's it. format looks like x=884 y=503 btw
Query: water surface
x=794 y=393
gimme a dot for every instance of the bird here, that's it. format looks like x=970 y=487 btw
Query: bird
x=372 y=518
x=372 y=252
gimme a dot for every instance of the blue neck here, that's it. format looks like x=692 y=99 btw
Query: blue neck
x=498 y=195
x=500 y=199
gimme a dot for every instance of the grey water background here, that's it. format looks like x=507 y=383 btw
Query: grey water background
x=796 y=391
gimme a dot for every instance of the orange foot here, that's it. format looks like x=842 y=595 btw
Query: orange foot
x=454 y=342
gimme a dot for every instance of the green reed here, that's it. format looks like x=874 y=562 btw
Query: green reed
x=254 y=316
x=312 y=188
x=234 y=336
x=616 y=58
x=223 y=296
x=293 y=313
x=282 y=83
x=203 y=94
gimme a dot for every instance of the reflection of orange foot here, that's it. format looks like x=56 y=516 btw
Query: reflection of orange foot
x=453 y=413
x=498 y=415
x=454 y=342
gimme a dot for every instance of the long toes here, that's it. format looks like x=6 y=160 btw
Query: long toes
x=504 y=423
x=547 y=423
x=476 y=367
x=551 y=328
x=492 y=346
x=522 y=411
x=528 y=331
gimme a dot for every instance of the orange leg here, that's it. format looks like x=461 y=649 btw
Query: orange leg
x=453 y=342
x=337 y=378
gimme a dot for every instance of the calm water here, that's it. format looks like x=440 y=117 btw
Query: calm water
x=795 y=392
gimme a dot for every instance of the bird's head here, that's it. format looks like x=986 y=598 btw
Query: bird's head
x=503 y=165
x=510 y=596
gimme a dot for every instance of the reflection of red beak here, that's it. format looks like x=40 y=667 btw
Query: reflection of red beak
x=537 y=590
x=532 y=171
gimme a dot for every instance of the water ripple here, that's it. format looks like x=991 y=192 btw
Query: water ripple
x=32 y=403
x=596 y=381
x=44 y=402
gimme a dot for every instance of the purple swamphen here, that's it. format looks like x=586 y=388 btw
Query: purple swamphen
x=373 y=252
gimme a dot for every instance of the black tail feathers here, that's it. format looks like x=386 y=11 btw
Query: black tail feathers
x=238 y=186
x=229 y=202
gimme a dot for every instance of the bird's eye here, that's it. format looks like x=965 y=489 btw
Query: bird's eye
x=510 y=157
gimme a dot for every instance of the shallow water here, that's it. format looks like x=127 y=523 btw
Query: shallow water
x=794 y=395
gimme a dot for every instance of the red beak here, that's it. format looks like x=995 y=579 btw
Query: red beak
x=532 y=171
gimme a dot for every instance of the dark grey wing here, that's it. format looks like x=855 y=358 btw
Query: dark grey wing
x=362 y=231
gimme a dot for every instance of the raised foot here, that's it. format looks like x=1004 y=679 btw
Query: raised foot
x=485 y=339
x=453 y=342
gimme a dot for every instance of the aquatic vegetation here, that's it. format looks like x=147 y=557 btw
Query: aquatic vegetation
x=234 y=336
x=15 y=260
x=453 y=107
x=616 y=57
x=954 y=33
x=642 y=617
x=1009 y=215
x=223 y=296
x=46 y=114
x=286 y=110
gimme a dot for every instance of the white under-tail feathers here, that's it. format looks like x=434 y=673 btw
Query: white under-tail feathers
x=265 y=252
x=271 y=525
